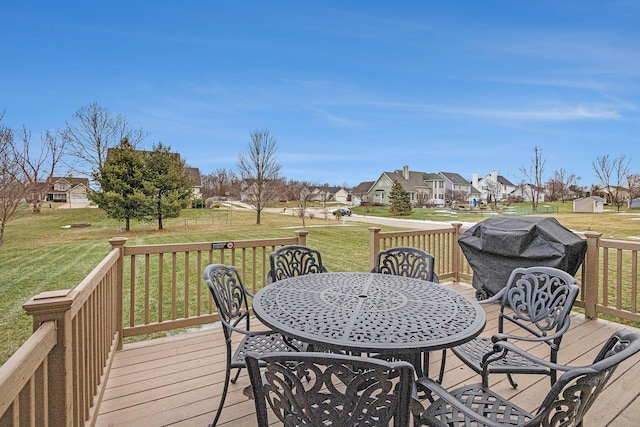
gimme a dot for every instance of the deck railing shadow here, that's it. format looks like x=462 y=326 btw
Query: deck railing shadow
x=58 y=376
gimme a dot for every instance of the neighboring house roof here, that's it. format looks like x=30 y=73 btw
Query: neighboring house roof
x=194 y=175
x=504 y=181
x=363 y=187
x=71 y=180
x=454 y=178
x=411 y=180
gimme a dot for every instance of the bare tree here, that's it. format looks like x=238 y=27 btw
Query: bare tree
x=92 y=131
x=259 y=168
x=559 y=185
x=533 y=174
x=38 y=166
x=302 y=195
x=221 y=182
x=612 y=173
x=422 y=198
x=12 y=188
x=494 y=188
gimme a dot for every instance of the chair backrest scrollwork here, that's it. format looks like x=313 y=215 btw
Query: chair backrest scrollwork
x=407 y=262
x=309 y=389
x=294 y=260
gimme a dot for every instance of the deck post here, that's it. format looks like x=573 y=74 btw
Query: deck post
x=302 y=237
x=56 y=306
x=591 y=267
x=374 y=245
x=456 y=252
x=118 y=243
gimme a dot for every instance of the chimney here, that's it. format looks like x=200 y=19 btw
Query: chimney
x=405 y=172
x=494 y=176
x=474 y=180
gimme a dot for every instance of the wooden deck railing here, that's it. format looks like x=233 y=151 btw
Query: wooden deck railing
x=163 y=287
x=608 y=275
x=57 y=377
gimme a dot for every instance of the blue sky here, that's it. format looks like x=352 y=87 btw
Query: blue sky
x=348 y=88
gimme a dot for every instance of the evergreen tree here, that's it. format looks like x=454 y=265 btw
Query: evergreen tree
x=166 y=182
x=121 y=181
x=400 y=200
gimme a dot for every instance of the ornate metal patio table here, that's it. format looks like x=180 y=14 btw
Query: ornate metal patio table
x=369 y=312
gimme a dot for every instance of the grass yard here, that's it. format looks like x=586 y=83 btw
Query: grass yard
x=42 y=252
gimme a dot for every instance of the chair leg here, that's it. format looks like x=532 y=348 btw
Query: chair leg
x=222 y=398
x=425 y=364
x=235 y=378
x=443 y=363
x=512 y=381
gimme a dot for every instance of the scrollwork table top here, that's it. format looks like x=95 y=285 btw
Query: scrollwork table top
x=369 y=312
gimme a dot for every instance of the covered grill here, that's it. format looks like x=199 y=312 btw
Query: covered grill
x=495 y=246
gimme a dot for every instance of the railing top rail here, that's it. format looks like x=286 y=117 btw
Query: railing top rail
x=22 y=365
x=205 y=246
x=619 y=244
x=83 y=291
x=403 y=233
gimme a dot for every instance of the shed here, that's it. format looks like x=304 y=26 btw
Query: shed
x=591 y=204
x=635 y=203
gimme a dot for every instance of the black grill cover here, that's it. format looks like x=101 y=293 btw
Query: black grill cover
x=495 y=246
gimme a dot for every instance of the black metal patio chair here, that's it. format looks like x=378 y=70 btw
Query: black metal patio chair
x=415 y=263
x=537 y=301
x=230 y=297
x=406 y=261
x=311 y=389
x=565 y=405
x=294 y=260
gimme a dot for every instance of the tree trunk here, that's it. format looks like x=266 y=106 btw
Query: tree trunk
x=126 y=224
x=159 y=211
x=258 y=211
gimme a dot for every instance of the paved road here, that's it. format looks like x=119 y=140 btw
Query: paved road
x=415 y=224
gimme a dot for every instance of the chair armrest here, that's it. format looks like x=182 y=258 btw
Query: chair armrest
x=497 y=297
x=505 y=337
x=501 y=346
x=252 y=332
x=433 y=387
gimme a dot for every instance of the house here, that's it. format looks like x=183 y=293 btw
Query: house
x=457 y=188
x=359 y=193
x=613 y=194
x=589 y=204
x=424 y=188
x=68 y=189
x=326 y=194
x=523 y=193
x=492 y=185
x=194 y=176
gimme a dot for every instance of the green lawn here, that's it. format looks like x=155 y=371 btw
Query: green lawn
x=41 y=254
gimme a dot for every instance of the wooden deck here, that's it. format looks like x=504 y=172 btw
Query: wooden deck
x=178 y=380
